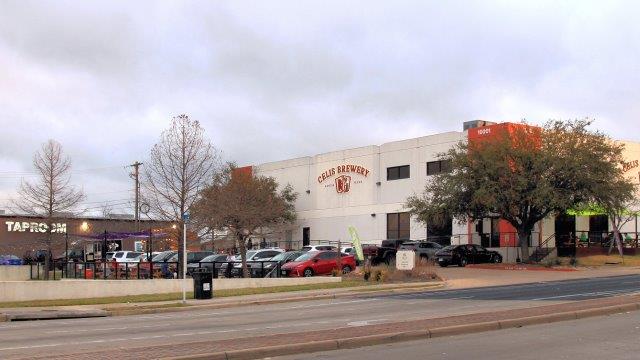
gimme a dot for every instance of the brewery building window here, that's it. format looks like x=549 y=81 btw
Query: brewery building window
x=398 y=172
x=398 y=226
x=438 y=167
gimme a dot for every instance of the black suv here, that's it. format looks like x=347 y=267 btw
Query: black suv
x=462 y=255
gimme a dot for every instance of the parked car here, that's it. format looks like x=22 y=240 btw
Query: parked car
x=211 y=262
x=379 y=254
x=425 y=250
x=254 y=260
x=273 y=263
x=75 y=255
x=319 y=248
x=318 y=263
x=462 y=255
x=128 y=256
x=192 y=256
x=36 y=256
x=163 y=256
x=10 y=260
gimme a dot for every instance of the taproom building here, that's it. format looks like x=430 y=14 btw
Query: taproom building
x=22 y=235
x=366 y=187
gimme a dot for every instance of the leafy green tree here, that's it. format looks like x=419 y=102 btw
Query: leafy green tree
x=244 y=205
x=524 y=174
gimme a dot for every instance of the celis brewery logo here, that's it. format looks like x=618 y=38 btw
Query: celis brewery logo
x=343 y=184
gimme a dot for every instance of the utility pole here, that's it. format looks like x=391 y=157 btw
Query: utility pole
x=136 y=178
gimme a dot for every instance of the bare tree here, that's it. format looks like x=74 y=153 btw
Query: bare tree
x=106 y=209
x=51 y=194
x=181 y=164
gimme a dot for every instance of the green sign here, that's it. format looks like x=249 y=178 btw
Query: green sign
x=355 y=240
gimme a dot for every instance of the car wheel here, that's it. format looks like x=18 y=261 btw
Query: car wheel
x=443 y=264
x=307 y=272
x=496 y=259
x=389 y=259
x=424 y=258
x=463 y=262
x=346 y=269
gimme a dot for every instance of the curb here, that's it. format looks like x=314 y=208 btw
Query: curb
x=52 y=315
x=519 y=268
x=146 y=311
x=356 y=342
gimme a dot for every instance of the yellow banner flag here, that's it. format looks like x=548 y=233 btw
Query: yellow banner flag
x=357 y=245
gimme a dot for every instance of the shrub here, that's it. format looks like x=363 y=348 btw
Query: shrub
x=367 y=274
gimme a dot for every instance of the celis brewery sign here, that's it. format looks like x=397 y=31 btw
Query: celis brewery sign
x=24 y=226
x=343 y=182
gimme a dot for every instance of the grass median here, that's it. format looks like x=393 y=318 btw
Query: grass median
x=178 y=296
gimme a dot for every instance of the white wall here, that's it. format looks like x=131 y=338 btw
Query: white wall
x=15 y=272
x=328 y=214
x=82 y=289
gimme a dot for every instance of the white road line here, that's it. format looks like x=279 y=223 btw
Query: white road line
x=594 y=293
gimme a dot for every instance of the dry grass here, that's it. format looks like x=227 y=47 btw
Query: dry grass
x=601 y=260
x=423 y=271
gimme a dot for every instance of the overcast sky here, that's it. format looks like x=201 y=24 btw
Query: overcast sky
x=272 y=80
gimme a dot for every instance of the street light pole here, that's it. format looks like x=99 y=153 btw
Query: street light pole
x=185 y=219
x=184 y=263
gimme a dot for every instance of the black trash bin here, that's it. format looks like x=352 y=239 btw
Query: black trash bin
x=202 y=283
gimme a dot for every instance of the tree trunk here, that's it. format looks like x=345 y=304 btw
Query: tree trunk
x=47 y=255
x=243 y=254
x=523 y=241
x=47 y=264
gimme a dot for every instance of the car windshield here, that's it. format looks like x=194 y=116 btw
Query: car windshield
x=162 y=256
x=215 y=257
x=133 y=255
x=280 y=257
x=250 y=255
x=306 y=256
x=119 y=254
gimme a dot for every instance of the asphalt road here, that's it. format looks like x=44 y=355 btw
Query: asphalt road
x=610 y=337
x=57 y=337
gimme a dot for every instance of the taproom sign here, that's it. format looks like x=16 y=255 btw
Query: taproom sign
x=343 y=173
x=24 y=226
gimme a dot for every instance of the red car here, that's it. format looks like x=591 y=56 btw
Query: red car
x=318 y=263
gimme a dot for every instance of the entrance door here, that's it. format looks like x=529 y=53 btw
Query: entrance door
x=565 y=234
x=598 y=228
x=306 y=236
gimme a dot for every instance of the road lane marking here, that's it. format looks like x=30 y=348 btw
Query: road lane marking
x=593 y=293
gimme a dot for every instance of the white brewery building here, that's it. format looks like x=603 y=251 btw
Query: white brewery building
x=366 y=187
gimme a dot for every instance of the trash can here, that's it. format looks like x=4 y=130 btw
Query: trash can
x=202 y=283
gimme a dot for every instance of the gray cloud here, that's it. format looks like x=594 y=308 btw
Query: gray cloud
x=279 y=79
